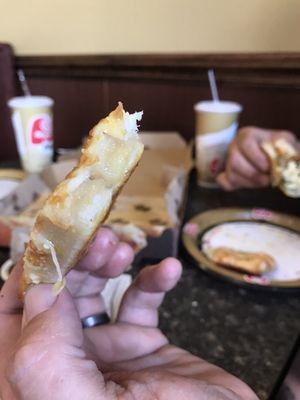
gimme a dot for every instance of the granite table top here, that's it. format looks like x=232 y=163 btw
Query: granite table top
x=249 y=332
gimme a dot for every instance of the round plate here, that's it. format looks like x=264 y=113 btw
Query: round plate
x=198 y=226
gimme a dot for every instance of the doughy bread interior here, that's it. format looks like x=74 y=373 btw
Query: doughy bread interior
x=79 y=204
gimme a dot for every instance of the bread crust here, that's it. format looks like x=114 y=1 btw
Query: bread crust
x=250 y=262
x=77 y=207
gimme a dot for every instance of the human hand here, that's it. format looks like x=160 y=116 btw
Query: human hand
x=45 y=354
x=105 y=253
x=247 y=165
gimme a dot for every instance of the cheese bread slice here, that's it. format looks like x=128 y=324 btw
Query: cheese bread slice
x=250 y=262
x=72 y=214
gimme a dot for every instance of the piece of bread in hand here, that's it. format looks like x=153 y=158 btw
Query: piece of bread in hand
x=131 y=234
x=285 y=166
x=251 y=262
x=72 y=214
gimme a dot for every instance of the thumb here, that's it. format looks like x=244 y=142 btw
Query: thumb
x=38 y=299
x=49 y=361
x=47 y=314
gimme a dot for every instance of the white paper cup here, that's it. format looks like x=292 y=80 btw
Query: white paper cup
x=32 y=119
x=216 y=126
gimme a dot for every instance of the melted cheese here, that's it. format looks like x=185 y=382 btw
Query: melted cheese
x=286 y=170
x=291 y=176
x=61 y=282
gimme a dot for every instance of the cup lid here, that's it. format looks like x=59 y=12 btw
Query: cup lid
x=30 y=101
x=218 y=106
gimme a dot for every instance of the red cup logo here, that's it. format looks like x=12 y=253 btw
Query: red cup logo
x=216 y=166
x=41 y=129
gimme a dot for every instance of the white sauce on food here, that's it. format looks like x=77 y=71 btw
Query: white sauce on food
x=60 y=284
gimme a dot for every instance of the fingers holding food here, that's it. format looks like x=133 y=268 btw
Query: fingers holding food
x=249 y=164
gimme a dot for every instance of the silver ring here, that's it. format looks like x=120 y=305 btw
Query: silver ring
x=95 y=320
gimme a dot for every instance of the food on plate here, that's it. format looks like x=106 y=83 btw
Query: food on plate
x=254 y=231
x=81 y=202
x=285 y=166
x=250 y=262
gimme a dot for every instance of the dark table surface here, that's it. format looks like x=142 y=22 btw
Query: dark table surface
x=249 y=332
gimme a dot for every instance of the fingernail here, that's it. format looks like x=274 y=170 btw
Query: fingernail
x=39 y=298
x=106 y=238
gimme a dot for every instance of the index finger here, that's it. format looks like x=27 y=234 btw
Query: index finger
x=107 y=257
x=10 y=299
x=100 y=250
x=141 y=301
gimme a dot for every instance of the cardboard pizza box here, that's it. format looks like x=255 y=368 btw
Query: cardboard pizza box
x=152 y=200
x=153 y=197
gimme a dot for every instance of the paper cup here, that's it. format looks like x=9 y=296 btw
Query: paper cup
x=32 y=119
x=216 y=126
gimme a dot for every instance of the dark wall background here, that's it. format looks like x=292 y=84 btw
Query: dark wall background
x=166 y=87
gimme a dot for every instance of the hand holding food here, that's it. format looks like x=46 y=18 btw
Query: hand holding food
x=285 y=166
x=248 y=165
x=45 y=353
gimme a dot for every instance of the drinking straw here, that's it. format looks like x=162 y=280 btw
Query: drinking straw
x=213 y=85
x=23 y=82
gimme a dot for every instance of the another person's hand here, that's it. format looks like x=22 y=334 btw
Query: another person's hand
x=45 y=354
x=247 y=165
